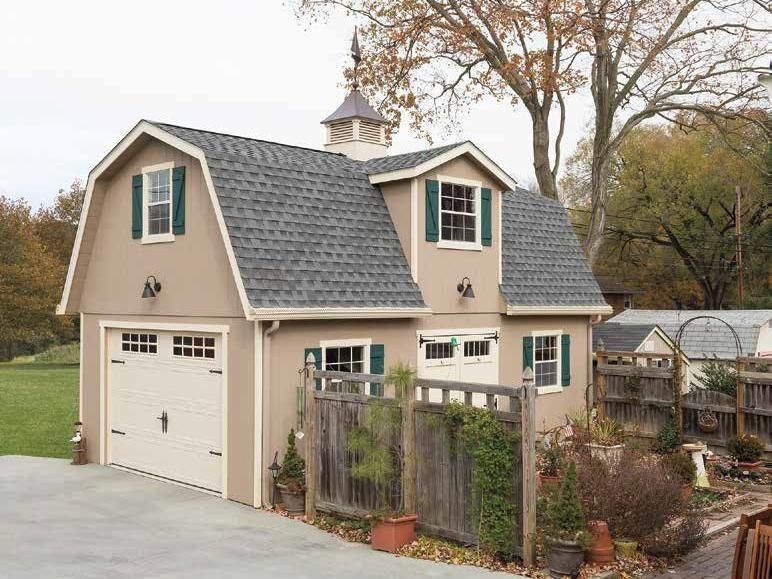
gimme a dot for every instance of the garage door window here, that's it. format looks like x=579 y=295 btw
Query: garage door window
x=477 y=348
x=439 y=350
x=139 y=343
x=201 y=347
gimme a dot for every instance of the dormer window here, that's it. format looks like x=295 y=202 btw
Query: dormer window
x=157 y=201
x=458 y=213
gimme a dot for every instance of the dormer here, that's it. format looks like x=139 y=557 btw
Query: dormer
x=356 y=129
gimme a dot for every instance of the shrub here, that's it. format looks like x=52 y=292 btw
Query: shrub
x=718 y=377
x=565 y=519
x=745 y=448
x=681 y=466
x=668 y=439
x=637 y=500
x=293 y=471
x=677 y=538
x=550 y=461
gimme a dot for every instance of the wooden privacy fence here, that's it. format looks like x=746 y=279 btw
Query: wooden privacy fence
x=632 y=391
x=437 y=482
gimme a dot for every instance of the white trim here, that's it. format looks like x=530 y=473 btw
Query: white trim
x=464 y=148
x=104 y=351
x=459 y=181
x=336 y=313
x=142 y=128
x=157 y=238
x=345 y=343
x=158 y=167
x=500 y=237
x=414 y=229
x=552 y=388
x=463 y=245
x=450 y=333
x=257 y=486
x=557 y=310
x=80 y=372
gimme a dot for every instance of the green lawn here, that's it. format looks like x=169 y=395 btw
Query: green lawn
x=38 y=404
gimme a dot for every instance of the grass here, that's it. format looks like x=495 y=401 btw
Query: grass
x=38 y=404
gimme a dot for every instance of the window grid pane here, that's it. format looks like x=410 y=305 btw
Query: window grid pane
x=159 y=202
x=477 y=348
x=139 y=343
x=183 y=346
x=348 y=359
x=546 y=360
x=458 y=213
x=439 y=350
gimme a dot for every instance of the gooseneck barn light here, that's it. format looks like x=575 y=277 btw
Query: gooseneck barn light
x=465 y=288
x=151 y=289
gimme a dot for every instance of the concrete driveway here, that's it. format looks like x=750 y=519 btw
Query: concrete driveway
x=62 y=521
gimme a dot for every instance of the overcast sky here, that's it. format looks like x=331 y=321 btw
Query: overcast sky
x=75 y=77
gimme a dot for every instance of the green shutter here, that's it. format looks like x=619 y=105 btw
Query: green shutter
x=317 y=352
x=136 y=207
x=527 y=352
x=485 y=209
x=178 y=200
x=565 y=359
x=432 y=210
x=376 y=365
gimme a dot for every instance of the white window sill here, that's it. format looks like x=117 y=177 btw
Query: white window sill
x=540 y=390
x=463 y=245
x=160 y=238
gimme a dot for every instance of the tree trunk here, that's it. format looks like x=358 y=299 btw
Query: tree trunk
x=541 y=156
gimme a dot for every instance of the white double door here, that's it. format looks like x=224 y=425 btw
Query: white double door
x=165 y=405
x=459 y=356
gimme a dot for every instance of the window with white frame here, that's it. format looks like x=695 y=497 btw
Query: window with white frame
x=158 y=202
x=139 y=343
x=477 y=348
x=343 y=358
x=201 y=347
x=546 y=352
x=458 y=212
x=439 y=350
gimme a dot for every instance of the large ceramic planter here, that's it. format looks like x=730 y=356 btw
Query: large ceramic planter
x=601 y=550
x=611 y=455
x=294 y=500
x=626 y=548
x=389 y=534
x=564 y=558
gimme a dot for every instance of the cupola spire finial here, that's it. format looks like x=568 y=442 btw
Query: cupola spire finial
x=356 y=56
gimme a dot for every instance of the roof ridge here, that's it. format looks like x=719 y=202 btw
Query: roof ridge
x=160 y=123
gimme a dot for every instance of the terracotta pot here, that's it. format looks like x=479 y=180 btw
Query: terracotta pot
x=601 y=549
x=389 y=534
x=564 y=558
x=548 y=481
x=294 y=500
x=686 y=491
x=625 y=547
x=749 y=466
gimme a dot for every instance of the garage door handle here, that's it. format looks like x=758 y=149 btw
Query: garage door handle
x=118 y=361
x=215 y=371
x=117 y=432
x=215 y=453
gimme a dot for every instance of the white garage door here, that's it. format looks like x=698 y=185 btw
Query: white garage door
x=165 y=405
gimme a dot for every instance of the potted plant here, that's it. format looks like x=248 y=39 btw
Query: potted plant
x=292 y=479
x=682 y=467
x=378 y=459
x=626 y=547
x=549 y=464
x=566 y=534
x=747 y=450
x=607 y=440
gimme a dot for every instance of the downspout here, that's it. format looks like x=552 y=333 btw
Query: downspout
x=262 y=477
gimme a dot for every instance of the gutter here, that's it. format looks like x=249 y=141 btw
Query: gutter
x=276 y=314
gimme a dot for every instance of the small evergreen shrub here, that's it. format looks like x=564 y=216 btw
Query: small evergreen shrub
x=550 y=461
x=745 y=448
x=565 y=518
x=681 y=466
x=718 y=377
x=668 y=440
x=293 y=471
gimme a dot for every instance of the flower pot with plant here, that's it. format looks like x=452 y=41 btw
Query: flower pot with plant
x=292 y=479
x=747 y=450
x=549 y=464
x=681 y=466
x=378 y=459
x=607 y=439
x=566 y=533
x=626 y=548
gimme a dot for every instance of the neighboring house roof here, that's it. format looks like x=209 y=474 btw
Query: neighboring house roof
x=705 y=338
x=542 y=263
x=308 y=229
x=405 y=160
x=355 y=106
x=620 y=337
x=611 y=286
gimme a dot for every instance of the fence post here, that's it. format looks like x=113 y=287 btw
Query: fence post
x=600 y=385
x=740 y=398
x=408 y=450
x=528 y=417
x=309 y=387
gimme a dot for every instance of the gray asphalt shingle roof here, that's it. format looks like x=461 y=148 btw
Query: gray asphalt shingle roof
x=620 y=337
x=705 y=338
x=543 y=264
x=307 y=227
x=309 y=230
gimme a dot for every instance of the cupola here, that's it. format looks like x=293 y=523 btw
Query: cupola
x=356 y=129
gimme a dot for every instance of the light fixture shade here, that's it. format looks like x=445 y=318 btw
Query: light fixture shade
x=148 y=291
x=468 y=292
